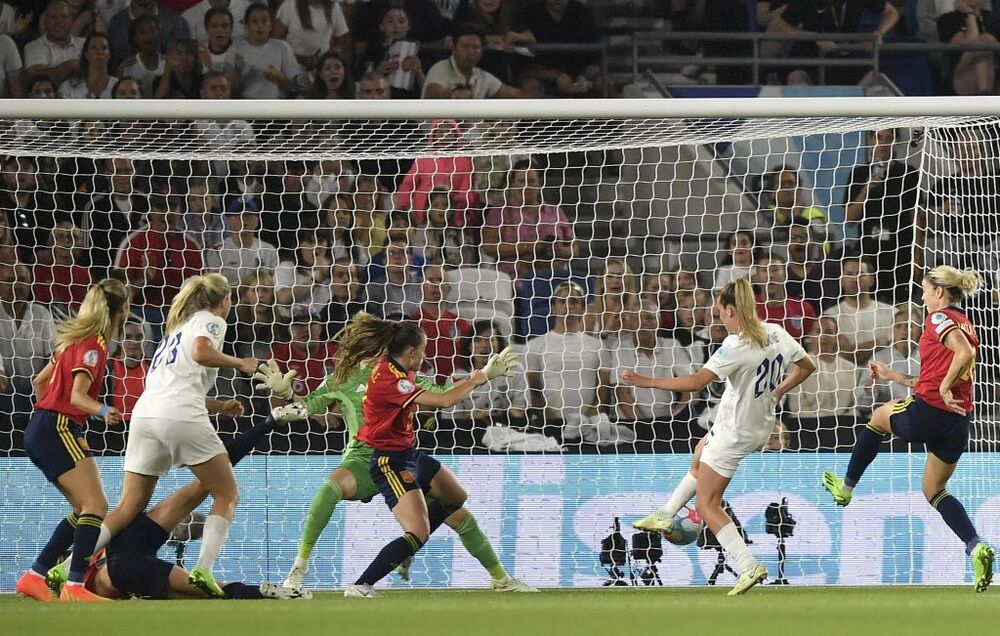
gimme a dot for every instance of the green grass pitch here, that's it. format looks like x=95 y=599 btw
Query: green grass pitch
x=942 y=611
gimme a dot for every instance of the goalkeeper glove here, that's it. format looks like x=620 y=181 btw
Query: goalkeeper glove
x=500 y=364
x=270 y=377
x=289 y=413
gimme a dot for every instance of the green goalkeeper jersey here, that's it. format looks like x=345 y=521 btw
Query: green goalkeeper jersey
x=349 y=395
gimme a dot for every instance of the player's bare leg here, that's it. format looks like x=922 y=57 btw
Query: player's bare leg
x=711 y=487
x=662 y=519
x=216 y=475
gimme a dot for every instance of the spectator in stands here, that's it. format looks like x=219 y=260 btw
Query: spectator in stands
x=129 y=367
x=157 y=259
x=14 y=21
x=427 y=24
x=312 y=27
x=902 y=356
x=303 y=277
x=505 y=34
x=61 y=281
x=616 y=290
x=11 y=69
x=459 y=76
x=331 y=79
x=346 y=293
x=441 y=239
x=971 y=72
x=738 y=259
x=562 y=367
x=882 y=199
x=242 y=252
x=257 y=325
x=571 y=73
x=404 y=74
x=500 y=402
x=27 y=202
x=393 y=289
x=148 y=63
x=270 y=67
x=373 y=86
x=829 y=392
x=8 y=244
x=26 y=335
x=200 y=219
x=641 y=349
x=126 y=88
x=370 y=223
x=692 y=314
x=527 y=234
x=57 y=52
x=308 y=351
x=26 y=338
x=197 y=18
x=444 y=329
x=110 y=207
x=218 y=53
x=172 y=26
x=784 y=200
x=182 y=76
x=820 y=17
x=453 y=171
x=806 y=279
x=492 y=171
x=864 y=324
x=659 y=289
x=775 y=304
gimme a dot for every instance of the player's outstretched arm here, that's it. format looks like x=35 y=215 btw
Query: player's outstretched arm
x=206 y=355
x=683 y=384
x=803 y=368
x=456 y=394
x=879 y=371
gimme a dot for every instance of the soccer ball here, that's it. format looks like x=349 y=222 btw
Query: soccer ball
x=687 y=526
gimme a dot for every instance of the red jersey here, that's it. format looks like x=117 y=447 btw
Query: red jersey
x=128 y=383
x=389 y=407
x=89 y=356
x=935 y=358
x=796 y=316
x=312 y=367
x=66 y=284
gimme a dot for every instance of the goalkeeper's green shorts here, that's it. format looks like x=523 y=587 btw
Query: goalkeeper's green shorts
x=357 y=458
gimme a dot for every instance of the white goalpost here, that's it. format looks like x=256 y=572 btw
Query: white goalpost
x=590 y=234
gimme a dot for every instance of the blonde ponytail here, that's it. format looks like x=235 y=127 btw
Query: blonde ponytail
x=739 y=295
x=98 y=314
x=200 y=292
x=959 y=283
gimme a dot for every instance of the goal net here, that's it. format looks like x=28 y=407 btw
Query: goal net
x=591 y=240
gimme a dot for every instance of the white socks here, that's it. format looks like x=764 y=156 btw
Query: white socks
x=103 y=539
x=731 y=540
x=682 y=494
x=216 y=530
x=302 y=564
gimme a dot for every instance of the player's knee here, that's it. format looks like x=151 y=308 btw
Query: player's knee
x=457 y=500
x=95 y=504
x=931 y=491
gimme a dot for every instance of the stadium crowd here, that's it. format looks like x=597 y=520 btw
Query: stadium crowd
x=477 y=249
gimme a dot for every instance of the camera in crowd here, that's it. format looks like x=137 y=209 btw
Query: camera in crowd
x=778 y=521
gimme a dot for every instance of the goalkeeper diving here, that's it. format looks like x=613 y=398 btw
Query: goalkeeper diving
x=351 y=480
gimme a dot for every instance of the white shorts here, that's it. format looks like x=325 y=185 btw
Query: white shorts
x=723 y=454
x=156 y=444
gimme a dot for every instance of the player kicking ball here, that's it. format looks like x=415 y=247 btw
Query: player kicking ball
x=752 y=360
x=939 y=414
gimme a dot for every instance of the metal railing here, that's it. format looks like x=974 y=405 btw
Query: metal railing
x=866 y=51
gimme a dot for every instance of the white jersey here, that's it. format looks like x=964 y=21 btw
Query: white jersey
x=746 y=410
x=176 y=385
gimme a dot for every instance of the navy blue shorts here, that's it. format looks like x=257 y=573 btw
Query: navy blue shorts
x=54 y=443
x=945 y=434
x=133 y=566
x=398 y=472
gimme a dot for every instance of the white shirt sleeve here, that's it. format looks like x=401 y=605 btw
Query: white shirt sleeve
x=9 y=54
x=35 y=53
x=213 y=328
x=284 y=275
x=726 y=359
x=339 y=21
